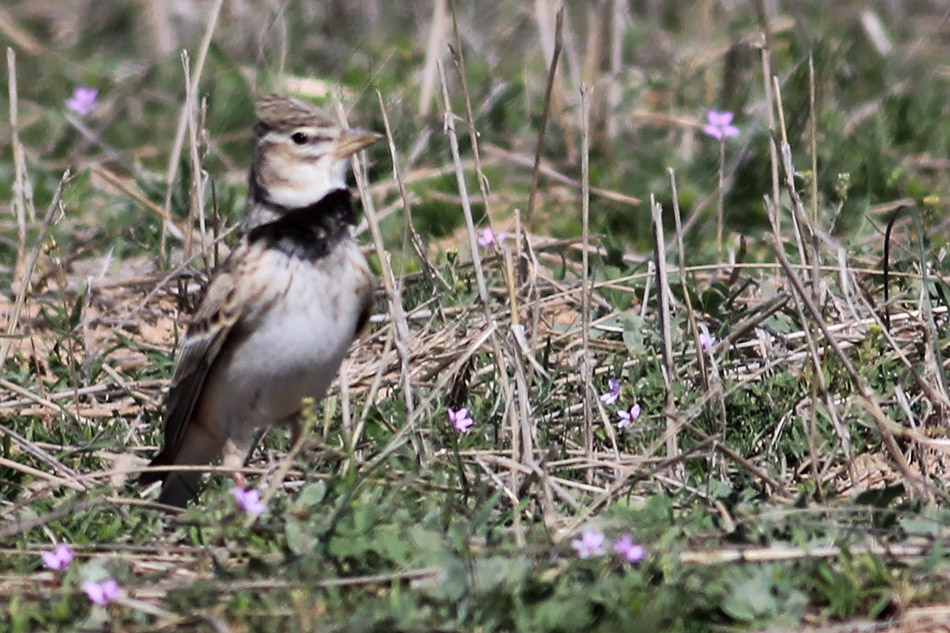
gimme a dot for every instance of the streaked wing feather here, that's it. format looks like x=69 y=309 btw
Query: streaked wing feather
x=219 y=311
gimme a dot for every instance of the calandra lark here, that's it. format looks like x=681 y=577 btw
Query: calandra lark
x=278 y=316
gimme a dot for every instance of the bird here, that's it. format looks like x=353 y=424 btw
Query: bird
x=279 y=315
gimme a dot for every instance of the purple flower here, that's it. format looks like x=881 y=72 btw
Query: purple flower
x=83 y=100
x=102 y=593
x=628 y=549
x=249 y=500
x=590 y=544
x=488 y=238
x=58 y=558
x=613 y=391
x=460 y=419
x=628 y=416
x=706 y=341
x=720 y=125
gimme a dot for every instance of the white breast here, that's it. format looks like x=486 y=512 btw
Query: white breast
x=291 y=347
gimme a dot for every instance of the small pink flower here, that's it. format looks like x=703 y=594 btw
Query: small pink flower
x=488 y=238
x=706 y=341
x=590 y=544
x=83 y=100
x=720 y=125
x=460 y=419
x=632 y=552
x=102 y=593
x=613 y=391
x=58 y=558
x=249 y=500
x=628 y=416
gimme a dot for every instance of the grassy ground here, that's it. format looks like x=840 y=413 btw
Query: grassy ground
x=787 y=468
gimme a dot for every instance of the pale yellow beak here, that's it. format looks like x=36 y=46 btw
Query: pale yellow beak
x=353 y=141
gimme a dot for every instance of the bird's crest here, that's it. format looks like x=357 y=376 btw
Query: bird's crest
x=280 y=112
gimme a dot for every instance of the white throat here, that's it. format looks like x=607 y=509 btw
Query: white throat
x=306 y=183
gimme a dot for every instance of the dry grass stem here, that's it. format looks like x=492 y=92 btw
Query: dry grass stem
x=179 y=142
x=704 y=373
x=430 y=271
x=765 y=48
x=24 y=281
x=799 y=221
x=552 y=174
x=196 y=207
x=587 y=386
x=666 y=329
x=545 y=113
x=434 y=50
x=18 y=203
x=401 y=332
x=459 y=59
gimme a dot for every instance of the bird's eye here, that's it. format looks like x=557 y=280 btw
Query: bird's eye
x=299 y=138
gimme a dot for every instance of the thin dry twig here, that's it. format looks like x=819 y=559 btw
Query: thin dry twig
x=175 y=154
x=785 y=155
x=19 y=169
x=666 y=328
x=430 y=68
x=459 y=59
x=704 y=374
x=54 y=206
x=401 y=333
x=765 y=48
x=196 y=207
x=545 y=113
x=16 y=525
x=587 y=387
x=431 y=272
x=549 y=172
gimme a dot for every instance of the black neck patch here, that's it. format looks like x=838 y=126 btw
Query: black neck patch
x=308 y=232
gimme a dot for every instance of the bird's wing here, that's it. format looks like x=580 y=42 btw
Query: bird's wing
x=219 y=311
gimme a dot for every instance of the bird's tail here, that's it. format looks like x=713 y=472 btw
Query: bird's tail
x=151 y=476
x=177 y=487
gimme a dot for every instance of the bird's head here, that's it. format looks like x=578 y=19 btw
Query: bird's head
x=301 y=153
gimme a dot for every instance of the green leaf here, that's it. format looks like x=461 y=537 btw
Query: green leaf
x=299 y=540
x=751 y=598
x=347 y=547
x=392 y=545
x=633 y=326
x=498 y=572
x=311 y=495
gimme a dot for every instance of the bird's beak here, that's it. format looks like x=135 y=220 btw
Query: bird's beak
x=353 y=141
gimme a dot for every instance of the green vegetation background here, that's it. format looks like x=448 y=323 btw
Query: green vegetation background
x=437 y=544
